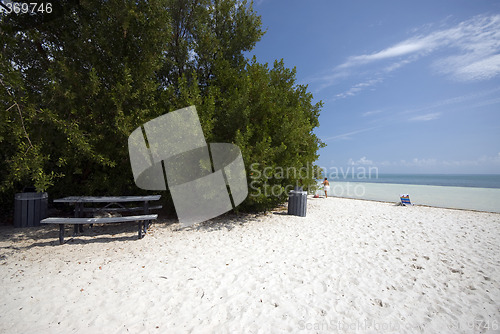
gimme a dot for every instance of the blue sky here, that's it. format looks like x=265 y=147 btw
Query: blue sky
x=407 y=86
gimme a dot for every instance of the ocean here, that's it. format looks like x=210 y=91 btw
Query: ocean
x=447 y=180
x=471 y=192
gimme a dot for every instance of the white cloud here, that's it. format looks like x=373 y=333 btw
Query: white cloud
x=467 y=102
x=361 y=162
x=358 y=88
x=426 y=117
x=347 y=135
x=464 y=69
x=478 y=39
x=371 y=113
x=394 y=66
x=402 y=49
x=422 y=162
x=482 y=164
x=472 y=47
x=443 y=165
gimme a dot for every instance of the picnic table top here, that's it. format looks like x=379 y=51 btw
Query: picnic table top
x=107 y=199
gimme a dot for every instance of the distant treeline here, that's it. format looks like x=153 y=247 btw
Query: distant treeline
x=75 y=82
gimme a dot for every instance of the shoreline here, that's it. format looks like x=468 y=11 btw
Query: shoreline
x=468 y=198
x=421 y=205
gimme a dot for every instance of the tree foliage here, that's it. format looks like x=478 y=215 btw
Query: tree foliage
x=76 y=82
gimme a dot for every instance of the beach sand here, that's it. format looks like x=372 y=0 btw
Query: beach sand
x=349 y=266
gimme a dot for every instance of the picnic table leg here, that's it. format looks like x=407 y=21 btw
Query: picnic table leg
x=146 y=212
x=81 y=214
x=78 y=214
x=61 y=234
x=140 y=230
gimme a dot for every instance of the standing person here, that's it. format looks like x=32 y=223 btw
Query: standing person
x=327 y=186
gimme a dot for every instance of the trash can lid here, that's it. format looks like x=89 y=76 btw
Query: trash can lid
x=30 y=196
x=298 y=192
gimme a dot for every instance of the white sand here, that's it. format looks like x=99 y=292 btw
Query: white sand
x=349 y=266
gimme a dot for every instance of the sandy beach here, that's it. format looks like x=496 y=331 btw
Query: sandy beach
x=349 y=266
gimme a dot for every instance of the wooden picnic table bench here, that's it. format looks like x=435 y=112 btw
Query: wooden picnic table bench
x=79 y=218
x=63 y=220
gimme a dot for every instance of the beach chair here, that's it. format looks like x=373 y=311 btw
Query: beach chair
x=405 y=199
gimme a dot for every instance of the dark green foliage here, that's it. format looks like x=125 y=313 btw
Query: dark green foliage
x=76 y=82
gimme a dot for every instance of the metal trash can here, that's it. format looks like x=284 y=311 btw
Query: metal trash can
x=29 y=209
x=297 y=203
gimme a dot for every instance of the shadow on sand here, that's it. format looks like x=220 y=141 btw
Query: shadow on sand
x=14 y=239
x=17 y=239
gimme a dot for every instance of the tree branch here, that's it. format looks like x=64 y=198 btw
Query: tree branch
x=20 y=115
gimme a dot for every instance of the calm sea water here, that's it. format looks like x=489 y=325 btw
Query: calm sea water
x=447 y=180
x=473 y=192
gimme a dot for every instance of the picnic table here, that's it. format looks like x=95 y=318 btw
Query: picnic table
x=106 y=204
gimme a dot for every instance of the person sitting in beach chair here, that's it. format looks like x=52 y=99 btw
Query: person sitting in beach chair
x=405 y=199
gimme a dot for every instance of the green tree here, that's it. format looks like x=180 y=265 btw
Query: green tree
x=80 y=82
x=76 y=82
x=271 y=119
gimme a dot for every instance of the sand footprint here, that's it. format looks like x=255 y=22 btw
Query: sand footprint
x=354 y=281
x=319 y=287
